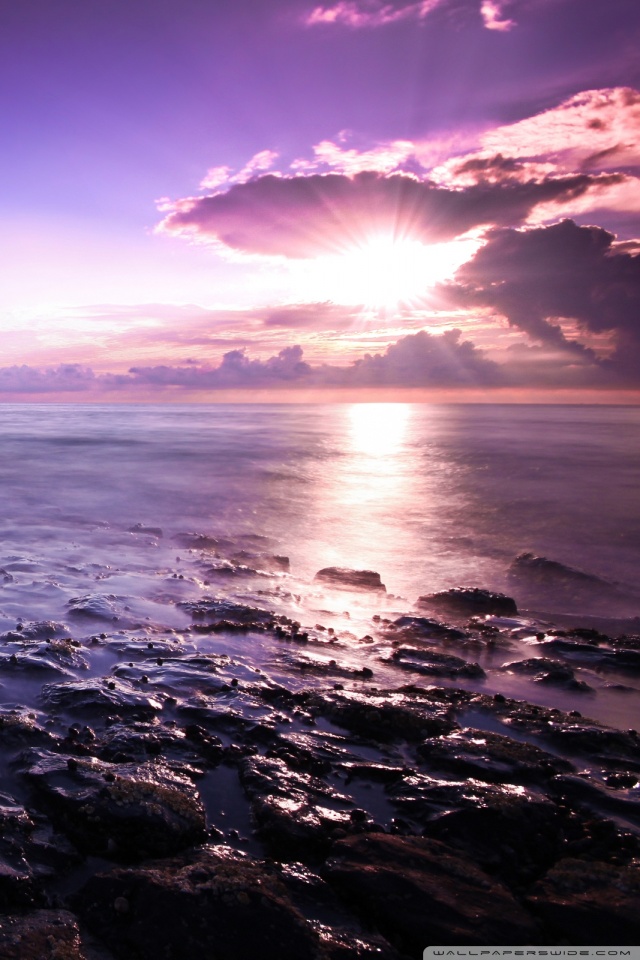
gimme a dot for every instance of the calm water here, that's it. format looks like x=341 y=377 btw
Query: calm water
x=430 y=496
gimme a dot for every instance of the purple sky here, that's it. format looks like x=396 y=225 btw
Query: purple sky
x=204 y=200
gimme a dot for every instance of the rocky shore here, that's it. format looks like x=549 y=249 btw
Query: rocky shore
x=254 y=785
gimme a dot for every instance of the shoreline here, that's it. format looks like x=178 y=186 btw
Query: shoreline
x=358 y=794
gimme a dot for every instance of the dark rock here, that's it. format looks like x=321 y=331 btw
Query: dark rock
x=426 y=628
x=418 y=892
x=228 y=613
x=101 y=697
x=547 y=671
x=434 y=664
x=470 y=601
x=96 y=606
x=210 y=903
x=351 y=579
x=383 y=717
x=40 y=935
x=490 y=757
x=296 y=813
x=122 y=811
x=590 y=902
x=20 y=727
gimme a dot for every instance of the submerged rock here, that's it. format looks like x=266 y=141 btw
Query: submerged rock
x=351 y=579
x=469 y=601
x=98 y=606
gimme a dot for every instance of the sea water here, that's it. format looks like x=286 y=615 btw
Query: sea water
x=101 y=500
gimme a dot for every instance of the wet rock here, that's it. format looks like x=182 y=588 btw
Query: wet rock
x=28 y=665
x=417 y=891
x=604 y=799
x=228 y=614
x=534 y=576
x=97 y=606
x=490 y=757
x=383 y=717
x=351 y=579
x=341 y=936
x=122 y=811
x=426 y=628
x=590 y=902
x=101 y=696
x=40 y=935
x=36 y=630
x=174 y=674
x=511 y=833
x=211 y=903
x=20 y=727
x=547 y=671
x=270 y=563
x=138 y=742
x=469 y=601
x=434 y=664
x=149 y=531
x=296 y=812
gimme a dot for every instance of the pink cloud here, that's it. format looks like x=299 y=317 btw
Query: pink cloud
x=369 y=13
x=595 y=130
x=492 y=15
x=303 y=217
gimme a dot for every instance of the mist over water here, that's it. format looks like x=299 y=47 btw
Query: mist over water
x=430 y=496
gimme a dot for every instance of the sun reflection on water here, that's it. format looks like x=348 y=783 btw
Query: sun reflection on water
x=378 y=429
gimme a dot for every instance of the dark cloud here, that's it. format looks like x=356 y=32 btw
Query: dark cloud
x=539 y=276
x=304 y=216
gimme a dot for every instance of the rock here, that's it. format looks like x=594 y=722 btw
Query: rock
x=490 y=757
x=547 y=671
x=228 y=614
x=297 y=813
x=149 y=531
x=121 y=811
x=40 y=935
x=97 y=606
x=349 y=579
x=590 y=902
x=417 y=892
x=426 y=628
x=434 y=664
x=383 y=717
x=209 y=903
x=469 y=602
x=101 y=696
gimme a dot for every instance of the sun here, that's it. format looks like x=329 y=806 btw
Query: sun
x=383 y=272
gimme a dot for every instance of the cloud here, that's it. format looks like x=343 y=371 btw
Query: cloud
x=235 y=370
x=369 y=13
x=425 y=360
x=306 y=216
x=593 y=130
x=217 y=177
x=359 y=14
x=539 y=277
x=67 y=377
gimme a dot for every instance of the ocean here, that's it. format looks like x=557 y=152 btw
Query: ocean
x=148 y=506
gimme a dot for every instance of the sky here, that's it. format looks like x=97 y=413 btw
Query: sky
x=249 y=199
